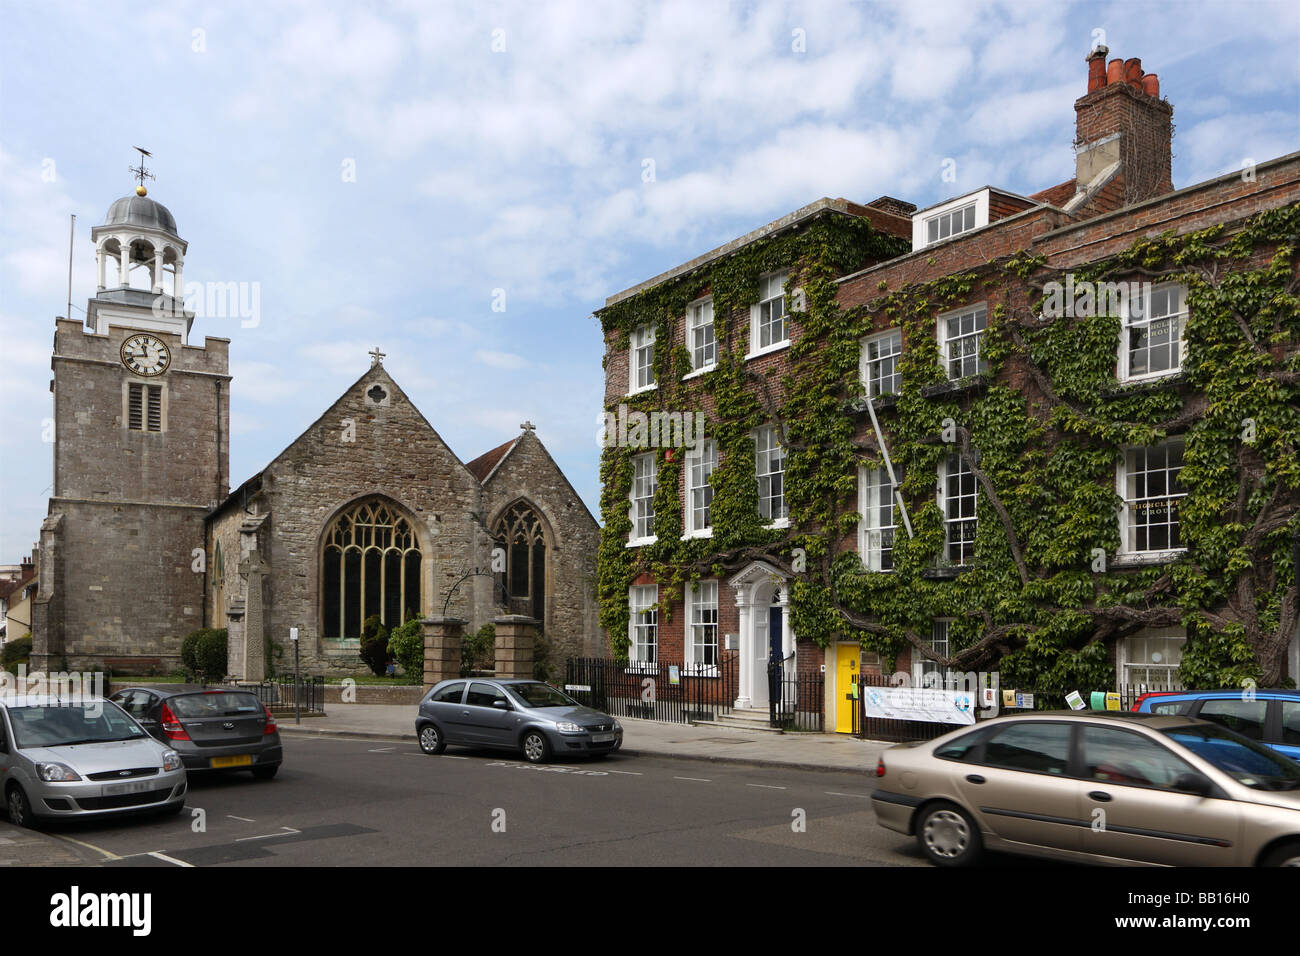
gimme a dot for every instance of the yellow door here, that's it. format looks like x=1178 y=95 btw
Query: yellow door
x=847 y=673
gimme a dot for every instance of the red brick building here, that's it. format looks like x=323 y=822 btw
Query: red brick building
x=1087 y=395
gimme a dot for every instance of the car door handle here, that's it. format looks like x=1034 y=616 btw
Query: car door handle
x=974 y=778
x=464 y=713
x=1100 y=795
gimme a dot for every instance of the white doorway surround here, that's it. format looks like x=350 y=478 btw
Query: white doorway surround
x=762 y=596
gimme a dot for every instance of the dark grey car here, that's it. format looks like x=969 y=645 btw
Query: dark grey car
x=520 y=715
x=211 y=728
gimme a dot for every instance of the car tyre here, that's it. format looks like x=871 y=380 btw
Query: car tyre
x=20 y=808
x=1288 y=854
x=536 y=747
x=948 y=836
x=267 y=772
x=431 y=740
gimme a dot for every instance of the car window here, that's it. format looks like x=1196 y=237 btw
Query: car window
x=134 y=702
x=68 y=724
x=1173 y=707
x=1249 y=763
x=483 y=695
x=540 y=695
x=1125 y=757
x=1034 y=745
x=964 y=748
x=1290 y=722
x=209 y=704
x=451 y=694
x=1246 y=717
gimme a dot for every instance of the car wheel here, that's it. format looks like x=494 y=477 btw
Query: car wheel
x=948 y=836
x=1288 y=854
x=20 y=808
x=431 y=741
x=536 y=749
x=267 y=772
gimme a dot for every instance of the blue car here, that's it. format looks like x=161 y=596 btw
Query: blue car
x=1270 y=716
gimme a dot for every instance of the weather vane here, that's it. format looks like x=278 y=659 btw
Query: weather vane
x=140 y=172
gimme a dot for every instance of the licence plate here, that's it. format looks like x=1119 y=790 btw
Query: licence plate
x=138 y=786
x=601 y=738
x=243 y=760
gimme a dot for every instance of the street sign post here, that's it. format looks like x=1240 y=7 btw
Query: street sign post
x=297 y=709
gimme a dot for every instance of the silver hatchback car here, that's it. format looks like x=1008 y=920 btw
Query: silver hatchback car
x=524 y=715
x=82 y=758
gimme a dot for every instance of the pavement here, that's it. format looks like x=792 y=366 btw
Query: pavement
x=801 y=751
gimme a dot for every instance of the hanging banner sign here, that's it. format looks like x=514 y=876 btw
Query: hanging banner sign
x=928 y=704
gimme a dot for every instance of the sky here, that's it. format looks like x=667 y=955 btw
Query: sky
x=463 y=184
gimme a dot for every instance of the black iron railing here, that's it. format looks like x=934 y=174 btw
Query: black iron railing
x=677 y=693
x=796 y=701
x=283 y=694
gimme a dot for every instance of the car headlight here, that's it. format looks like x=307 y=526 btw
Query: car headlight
x=618 y=727
x=56 y=772
x=171 y=761
x=568 y=727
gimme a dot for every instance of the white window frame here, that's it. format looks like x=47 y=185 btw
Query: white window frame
x=771 y=288
x=1129 y=323
x=940 y=642
x=701 y=601
x=645 y=468
x=874 y=491
x=981 y=200
x=1129 y=671
x=1141 y=457
x=642 y=621
x=979 y=311
x=641 y=341
x=699 y=315
x=703 y=456
x=767 y=445
x=870 y=369
x=945 y=468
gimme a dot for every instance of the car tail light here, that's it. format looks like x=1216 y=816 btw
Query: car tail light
x=270 y=722
x=880 y=767
x=171 y=726
x=1137 y=704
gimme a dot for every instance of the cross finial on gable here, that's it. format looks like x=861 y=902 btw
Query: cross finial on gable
x=376 y=357
x=528 y=426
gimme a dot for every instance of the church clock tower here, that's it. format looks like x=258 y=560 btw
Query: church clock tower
x=141 y=455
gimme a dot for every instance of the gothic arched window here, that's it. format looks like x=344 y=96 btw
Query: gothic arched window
x=522 y=585
x=370 y=565
x=218 y=587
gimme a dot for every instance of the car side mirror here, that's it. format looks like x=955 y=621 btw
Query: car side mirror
x=501 y=704
x=1196 y=783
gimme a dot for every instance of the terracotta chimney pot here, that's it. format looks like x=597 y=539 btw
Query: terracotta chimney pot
x=1133 y=73
x=1115 y=71
x=1097 y=69
x=1151 y=85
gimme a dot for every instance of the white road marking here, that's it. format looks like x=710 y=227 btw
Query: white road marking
x=241 y=819
x=169 y=859
x=696 y=779
x=835 y=793
x=629 y=773
x=382 y=750
x=766 y=786
x=289 y=831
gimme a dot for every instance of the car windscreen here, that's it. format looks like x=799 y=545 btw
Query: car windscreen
x=540 y=695
x=1244 y=760
x=61 y=725
x=209 y=704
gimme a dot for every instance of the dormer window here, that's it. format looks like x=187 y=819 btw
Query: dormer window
x=947 y=224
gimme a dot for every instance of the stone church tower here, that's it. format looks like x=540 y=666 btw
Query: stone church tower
x=141 y=455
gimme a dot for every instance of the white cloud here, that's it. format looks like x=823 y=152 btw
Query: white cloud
x=504 y=360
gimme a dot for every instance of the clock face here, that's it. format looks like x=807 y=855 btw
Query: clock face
x=146 y=354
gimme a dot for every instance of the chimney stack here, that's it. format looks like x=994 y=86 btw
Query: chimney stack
x=1123 y=135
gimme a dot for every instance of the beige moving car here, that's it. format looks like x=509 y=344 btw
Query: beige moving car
x=1113 y=787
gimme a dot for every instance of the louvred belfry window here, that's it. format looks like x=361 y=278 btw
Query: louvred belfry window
x=370 y=565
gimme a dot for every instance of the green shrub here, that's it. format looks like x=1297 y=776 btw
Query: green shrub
x=16 y=652
x=478 y=651
x=205 y=650
x=406 y=644
x=374 y=645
